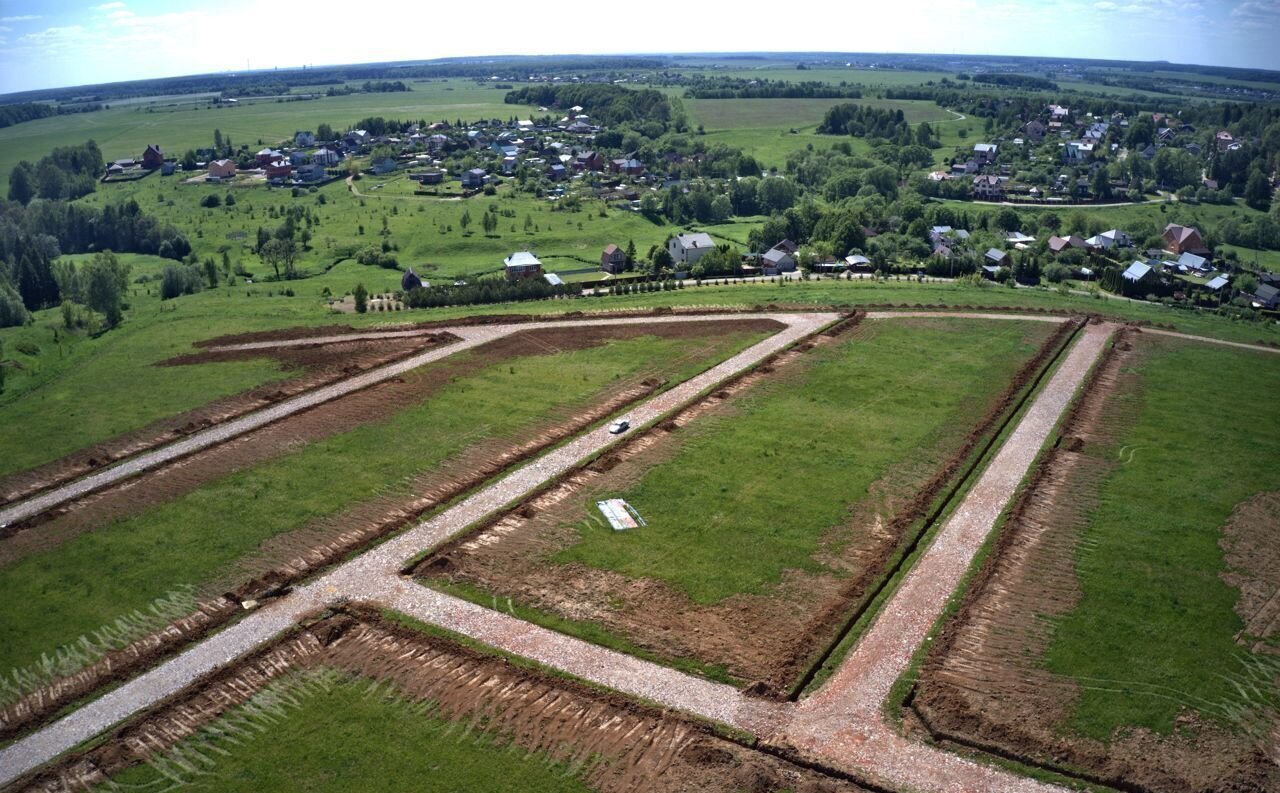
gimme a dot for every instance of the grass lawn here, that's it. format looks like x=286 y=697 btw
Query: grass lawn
x=93 y=579
x=1154 y=630
x=750 y=492
x=340 y=735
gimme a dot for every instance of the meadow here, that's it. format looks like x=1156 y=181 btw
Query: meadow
x=1155 y=629
x=126 y=564
x=752 y=491
x=380 y=735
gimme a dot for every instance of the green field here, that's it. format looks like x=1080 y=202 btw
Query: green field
x=1154 y=630
x=330 y=732
x=96 y=577
x=750 y=492
x=125 y=131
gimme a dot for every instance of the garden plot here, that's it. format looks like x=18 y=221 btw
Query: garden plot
x=356 y=696
x=1124 y=629
x=772 y=507
x=276 y=504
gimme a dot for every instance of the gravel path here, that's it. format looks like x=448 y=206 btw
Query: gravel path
x=843 y=723
x=470 y=336
x=1207 y=340
x=374 y=577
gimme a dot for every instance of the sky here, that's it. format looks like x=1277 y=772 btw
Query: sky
x=53 y=43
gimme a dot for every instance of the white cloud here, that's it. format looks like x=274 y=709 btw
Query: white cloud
x=108 y=6
x=23 y=18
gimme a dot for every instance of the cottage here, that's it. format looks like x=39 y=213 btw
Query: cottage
x=613 y=259
x=1059 y=244
x=588 y=161
x=988 y=188
x=1137 y=271
x=522 y=264
x=1113 y=238
x=1180 y=239
x=557 y=172
x=473 y=178
x=222 y=169
x=152 y=158
x=431 y=177
x=1266 y=296
x=309 y=172
x=778 y=259
x=995 y=257
x=857 y=262
x=167 y=168
x=356 y=138
x=267 y=156
x=325 y=157
x=689 y=248
x=297 y=158
x=1217 y=283
x=1018 y=238
x=1035 y=130
x=984 y=152
x=304 y=138
x=278 y=169
x=1190 y=262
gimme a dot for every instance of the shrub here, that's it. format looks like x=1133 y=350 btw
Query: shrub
x=210 y=201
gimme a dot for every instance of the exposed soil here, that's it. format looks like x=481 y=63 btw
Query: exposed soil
x=620 y=745
x=316 y=366
x=1253 y=558
x=765 y=641
x=982 y=684
x=294 y=555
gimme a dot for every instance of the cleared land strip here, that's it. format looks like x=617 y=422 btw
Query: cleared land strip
x=470 y=336
x=316 y=340
x=369 y=577
x=843 y=723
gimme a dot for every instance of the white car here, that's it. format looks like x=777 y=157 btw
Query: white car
x=618 y=427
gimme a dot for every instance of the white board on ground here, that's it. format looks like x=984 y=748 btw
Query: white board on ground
x=620 y=514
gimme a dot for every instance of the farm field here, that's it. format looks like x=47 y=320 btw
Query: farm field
x=750 y=554
x=272 y=494
x=1153 y=637
x=125 y=131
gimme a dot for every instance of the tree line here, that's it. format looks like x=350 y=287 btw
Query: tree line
x=862 y=121
x=605 y=104
x=66 y=173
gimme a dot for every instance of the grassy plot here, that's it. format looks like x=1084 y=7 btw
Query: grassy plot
x=1154 y=630
x=752 y=492
x=91 y=580
x=324 y=731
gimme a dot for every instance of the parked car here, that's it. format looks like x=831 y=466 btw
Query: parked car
x=618 y=427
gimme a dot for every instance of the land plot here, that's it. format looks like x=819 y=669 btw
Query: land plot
x=225 y=515
x=772 y=506
x=356 y=696
x=1126 y=623
x=313 y=367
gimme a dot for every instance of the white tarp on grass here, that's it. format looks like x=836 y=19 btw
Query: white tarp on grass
x=620 y=514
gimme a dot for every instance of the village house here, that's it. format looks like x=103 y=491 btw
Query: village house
x=988 y=188
x=152 y=158
x=984 y=153
x=1181 y=239
x=410 y=280
x=278 y=169
x=222 y=169
x=309 y=172
x=781 y=258
x=522 y=264
x=1059 y=244
x=689 y=248
x=325 y=157
x=1035 y=130
x=613 y=260
x=431 y=177
x=1114 y=238
x=557 y=172
x=304 y=138
x=473 y=178
x=1266 y=296
x=267 y=156
x=588 y=161
x=1137 y=272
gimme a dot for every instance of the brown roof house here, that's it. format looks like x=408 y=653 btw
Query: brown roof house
x=222 y=169
x=1183 y=239
x=1060 y=244
x=613 y=259
x=152 y=158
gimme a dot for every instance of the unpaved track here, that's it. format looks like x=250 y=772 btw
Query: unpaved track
x=841 y=726
x=470 y=336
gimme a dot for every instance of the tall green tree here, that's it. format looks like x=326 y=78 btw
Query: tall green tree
x=22 y=183
x=107 y=280
x=1257 y=191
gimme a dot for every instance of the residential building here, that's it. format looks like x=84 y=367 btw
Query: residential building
x=689 y=248
x=152 y=158
x=473 y=178
x=1180 y=239
x=304 y=138
x=984 y=153
x=779 y=259
x=325 y=157
x=988 y=188
x=222 y=169
x=522 y=264
x=613 y=259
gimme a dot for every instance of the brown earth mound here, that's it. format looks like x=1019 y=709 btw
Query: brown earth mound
x=619 y=744
x=1253 y=557
x=982 y=685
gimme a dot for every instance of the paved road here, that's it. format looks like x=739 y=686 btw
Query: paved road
x=371 y=576
x=471 y=336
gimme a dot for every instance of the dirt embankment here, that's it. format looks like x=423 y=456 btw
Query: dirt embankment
x=982 y=684
x=297 y=554
x=619 y=744
x=316 y=366
x=764 y=640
